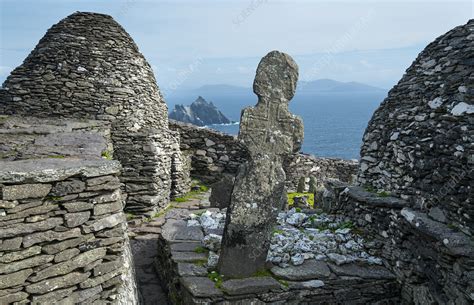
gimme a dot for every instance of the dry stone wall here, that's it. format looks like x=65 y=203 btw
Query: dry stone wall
x=88 y=67
x=419 y=142
x=418 y=147
x=63 y=233
x=432 y=261
x=214 y=154
x=307 y=166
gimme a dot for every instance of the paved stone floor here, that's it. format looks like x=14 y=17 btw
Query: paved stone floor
x=143 y=238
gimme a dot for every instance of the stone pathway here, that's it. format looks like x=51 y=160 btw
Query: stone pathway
x=144 y=242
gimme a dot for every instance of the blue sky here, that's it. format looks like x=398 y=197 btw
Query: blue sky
x=193 y=43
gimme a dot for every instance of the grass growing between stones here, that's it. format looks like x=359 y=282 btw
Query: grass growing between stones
x=192 y=194
x=216 y=278
x=380 y=193
x=200 y=262
x=199 y=184
x=200 y=249
x=56 y=157
x=262 y=273
x=163 y=212
x=277 y=231
x=107 y=155
x=291 y=198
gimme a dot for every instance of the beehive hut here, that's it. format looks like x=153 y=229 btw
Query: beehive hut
x=419 y=142
x=88 y=67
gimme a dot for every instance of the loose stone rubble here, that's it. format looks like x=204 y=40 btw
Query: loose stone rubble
x=271 y=133
x=297 y=237
x=86 y=95
x=188 y=252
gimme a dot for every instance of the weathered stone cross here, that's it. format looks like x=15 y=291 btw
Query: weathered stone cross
x=270 y=132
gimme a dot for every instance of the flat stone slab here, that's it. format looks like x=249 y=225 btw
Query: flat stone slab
x=366 y=272
x=178 y=230
x=188 y=256
x=47 y=170
x=309 y=270
x=200 y=286
x=456 y=243
x=312 y=284
x=359 y=194
x=190 y=269
x=250 y=285
x=185 y=246
x=177 y=213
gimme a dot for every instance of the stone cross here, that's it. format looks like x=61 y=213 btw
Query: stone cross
x=270 y=132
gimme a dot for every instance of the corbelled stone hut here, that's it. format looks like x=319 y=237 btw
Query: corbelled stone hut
x=88 y=67
x=418 y=144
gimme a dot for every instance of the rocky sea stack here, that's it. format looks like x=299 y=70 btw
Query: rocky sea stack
x=200 y=113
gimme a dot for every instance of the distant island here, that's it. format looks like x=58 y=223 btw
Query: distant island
x=304 y=87
x=200 y=113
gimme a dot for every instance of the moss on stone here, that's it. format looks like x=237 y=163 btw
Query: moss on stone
x=262 y=273
x=200 y=249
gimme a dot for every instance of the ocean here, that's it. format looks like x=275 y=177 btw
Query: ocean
x=334 y=123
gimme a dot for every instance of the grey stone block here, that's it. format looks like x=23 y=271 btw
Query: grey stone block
x=200 y=286
x=250 y=285
x=24 y=191
x=310 y=269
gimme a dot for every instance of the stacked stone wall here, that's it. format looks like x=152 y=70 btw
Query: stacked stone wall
x=214 y=153
x=432 y=261
x=418 y=149
x=88 y=67
x=63 y=233
x=307 y=166
x=418 y=144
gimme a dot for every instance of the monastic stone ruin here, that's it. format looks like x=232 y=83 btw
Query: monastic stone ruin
x=85 y=96
x=214 y=154
x=63 y=235
x=88 y=67
x=418 y=144
x=419 y=147
x=270 y=133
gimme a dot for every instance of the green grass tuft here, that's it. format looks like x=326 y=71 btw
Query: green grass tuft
x=383 y=194
x=56 y=157
x=200 y=249
x=277 y=231
x=163 y=212
x=181 y=199
x=216 y=278
x=346 y=225
x=200 y=262
x=107 y=155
